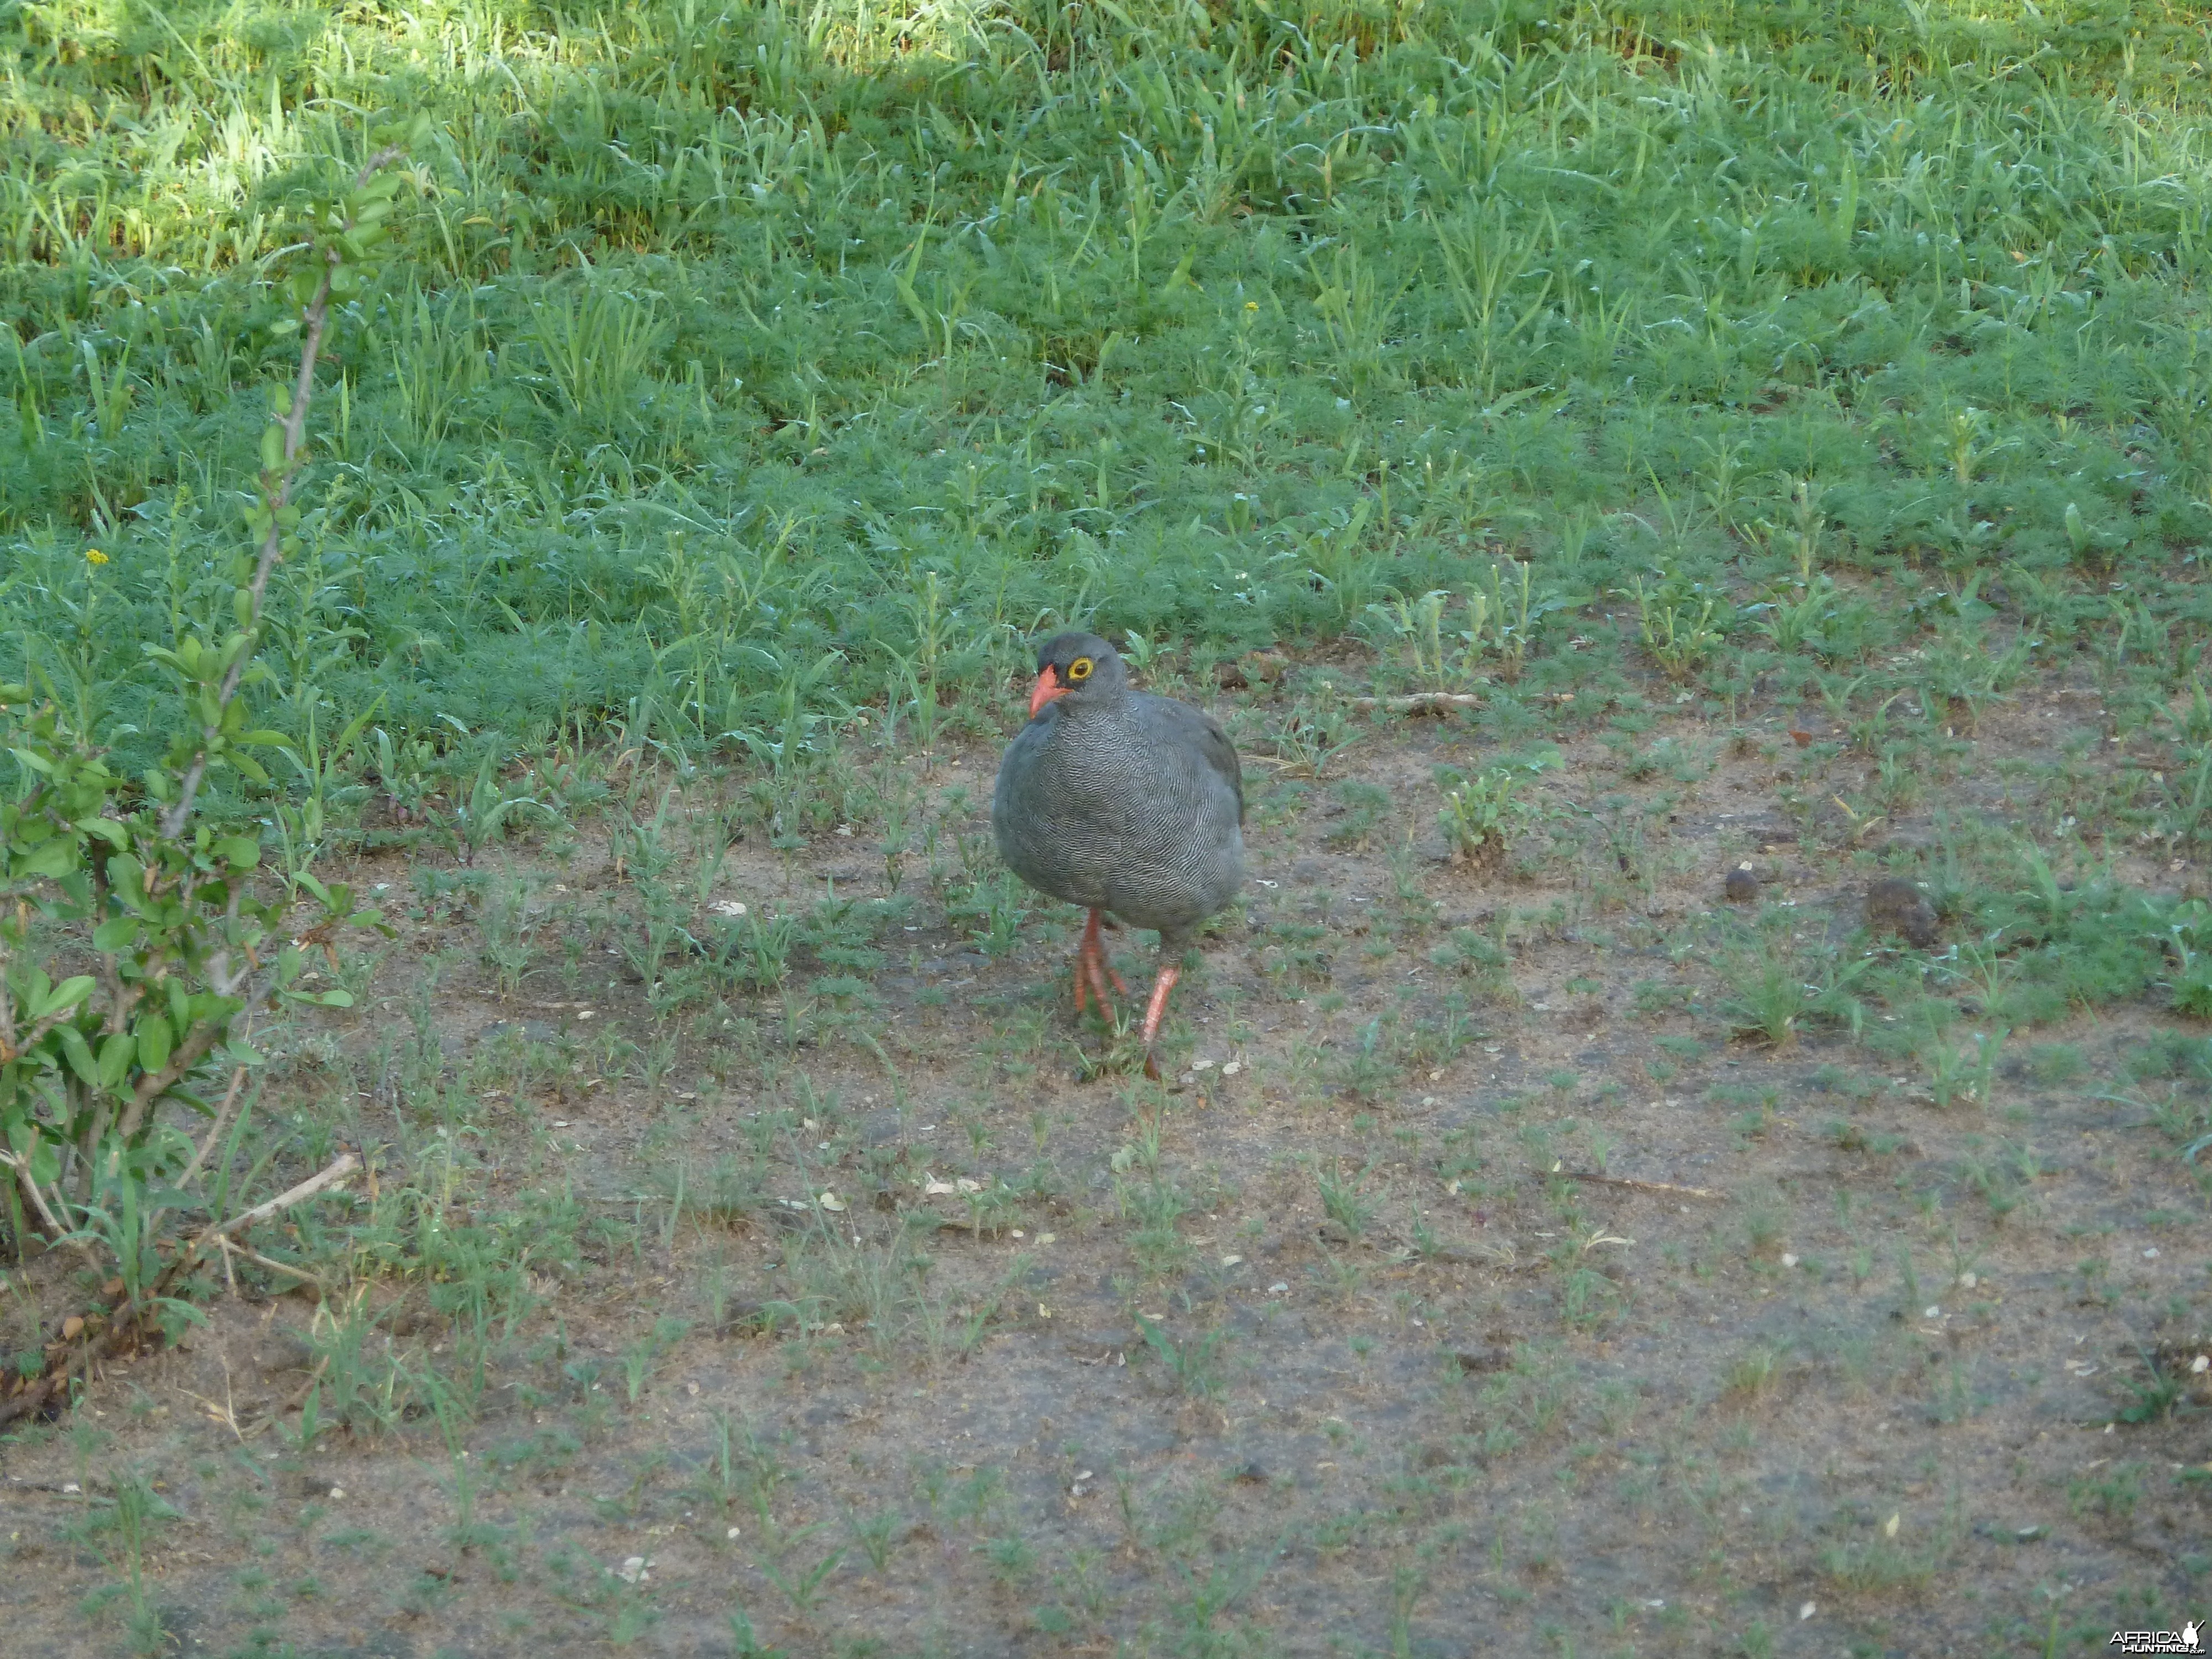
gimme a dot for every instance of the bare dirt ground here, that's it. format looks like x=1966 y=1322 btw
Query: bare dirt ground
x=1506 y=1267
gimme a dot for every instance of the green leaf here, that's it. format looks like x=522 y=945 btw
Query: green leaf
x=107 y=830
x=67 y=994
x=56 y=859
x=115 y=1055
x=155 y=1040
x=76 y=1051
x=126 y=879
x=116 y=934
x=240 y=852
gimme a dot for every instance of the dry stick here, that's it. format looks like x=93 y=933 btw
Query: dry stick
x=340 y=1167
x=230 y=1249
x=55 y=1232
x=1421 y=703
x=215 y=1130
x=22 y=1169
x=285 y=1267
x=1667 y=1189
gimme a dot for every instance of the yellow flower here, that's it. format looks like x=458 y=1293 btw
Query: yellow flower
x=93 y=555
x=1251 y=305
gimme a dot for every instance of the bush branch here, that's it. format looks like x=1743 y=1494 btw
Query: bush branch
x=276 y=490
x=127 y=1323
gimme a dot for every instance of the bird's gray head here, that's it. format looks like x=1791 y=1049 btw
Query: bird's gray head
x=1080 y=667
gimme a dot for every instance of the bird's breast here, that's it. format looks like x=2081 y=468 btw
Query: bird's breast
x=1099 y=812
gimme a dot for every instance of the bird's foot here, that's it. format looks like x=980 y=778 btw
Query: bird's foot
x=1091 y=980
x=1156 y=1009
x=1093 y=972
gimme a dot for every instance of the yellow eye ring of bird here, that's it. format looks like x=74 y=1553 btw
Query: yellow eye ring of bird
x=1078 y=670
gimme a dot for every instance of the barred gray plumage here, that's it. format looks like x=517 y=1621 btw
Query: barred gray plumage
x=1124 y=802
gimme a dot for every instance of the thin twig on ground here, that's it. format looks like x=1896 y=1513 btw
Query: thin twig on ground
x=1420 y=703
x=1663 y=1188
x=274 y=1266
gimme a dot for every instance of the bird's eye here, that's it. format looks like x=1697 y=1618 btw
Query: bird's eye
x=1078 y=670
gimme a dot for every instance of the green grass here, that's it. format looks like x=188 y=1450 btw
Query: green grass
x=727 y=348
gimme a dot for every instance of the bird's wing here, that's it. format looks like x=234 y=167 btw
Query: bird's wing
x=1203 y=733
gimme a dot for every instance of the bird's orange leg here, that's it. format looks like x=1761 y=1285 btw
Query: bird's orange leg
x=1154 y=1010
x=1093 y=971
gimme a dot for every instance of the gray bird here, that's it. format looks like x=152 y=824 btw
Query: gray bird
x=1116 y=799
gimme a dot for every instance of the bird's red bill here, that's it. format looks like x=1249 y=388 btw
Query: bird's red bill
x=1047 y=688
